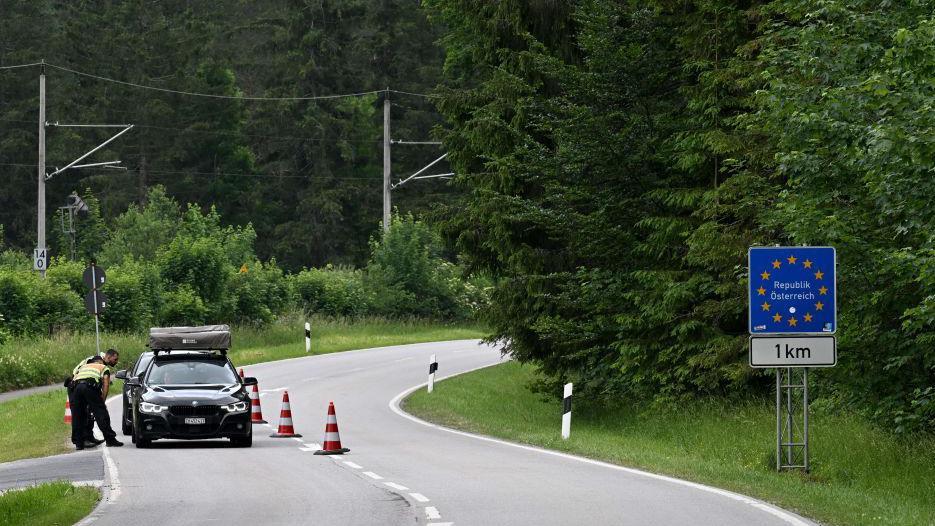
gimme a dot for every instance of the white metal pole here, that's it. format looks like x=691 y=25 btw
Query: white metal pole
x=433 y=366
x=386 y=161
x=40 y=216
x=308 y=337
x=566 y=412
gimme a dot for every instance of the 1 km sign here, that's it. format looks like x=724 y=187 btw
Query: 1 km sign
x=789 y=351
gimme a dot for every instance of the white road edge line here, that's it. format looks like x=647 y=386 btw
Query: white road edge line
x=373 y=475
x=394 y=485
x=431 y=513
x=419 y=497
x=352 y=465
x=758 y=504
x=110 y=489
x=439 y=524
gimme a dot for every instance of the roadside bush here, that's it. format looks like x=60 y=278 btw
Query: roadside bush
x=331 y=291
x=183 y=306
x=67 y=274
x=15 y=302
x=32 y=305
x=408 y=275
x=134 y=295
x=258 y=294
x=199 y=263
x=56 y=308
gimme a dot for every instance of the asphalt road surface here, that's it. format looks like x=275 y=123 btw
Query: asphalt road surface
x=399 y=470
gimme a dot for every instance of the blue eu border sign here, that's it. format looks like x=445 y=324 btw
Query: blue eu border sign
x=793 y=290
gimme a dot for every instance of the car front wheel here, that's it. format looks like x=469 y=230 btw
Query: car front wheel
x=138 y=438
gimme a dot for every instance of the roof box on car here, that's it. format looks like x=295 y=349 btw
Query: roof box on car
x=205 y=337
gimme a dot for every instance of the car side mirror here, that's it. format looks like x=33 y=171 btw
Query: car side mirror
x=249 y=381
x=133 y=381
x=121 y=374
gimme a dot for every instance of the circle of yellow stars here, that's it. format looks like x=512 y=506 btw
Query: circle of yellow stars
x=792 y=320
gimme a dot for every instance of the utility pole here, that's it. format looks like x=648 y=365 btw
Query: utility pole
x=41 y=255
x=40 y=245
x=386 y=161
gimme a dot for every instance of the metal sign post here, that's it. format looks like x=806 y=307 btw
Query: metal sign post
x=792 y=313
x=95 y=301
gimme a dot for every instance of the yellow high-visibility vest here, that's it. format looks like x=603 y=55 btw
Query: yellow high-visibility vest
x=91 y=371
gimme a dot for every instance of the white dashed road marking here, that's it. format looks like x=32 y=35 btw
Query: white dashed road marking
x=419 y=497
x=373 y=475
x=351 y=464
x=394 y=485
x=431 y=513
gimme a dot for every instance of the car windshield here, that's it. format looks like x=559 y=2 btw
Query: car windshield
x=190 y=372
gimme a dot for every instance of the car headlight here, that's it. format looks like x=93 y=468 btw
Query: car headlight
x=236 y=407
x=146 y=407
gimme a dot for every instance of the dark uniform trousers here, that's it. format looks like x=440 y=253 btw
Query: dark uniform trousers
x=86 y=404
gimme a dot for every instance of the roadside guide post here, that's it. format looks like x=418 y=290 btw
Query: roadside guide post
x=308 y=337
x=433 y=366
x=566 y=412
x=792 y=313
x=95 y=301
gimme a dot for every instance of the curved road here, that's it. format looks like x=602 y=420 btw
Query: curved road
x=399 y=471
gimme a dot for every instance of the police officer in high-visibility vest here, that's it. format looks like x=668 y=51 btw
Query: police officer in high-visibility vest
x=89 y=390
x=110 y=358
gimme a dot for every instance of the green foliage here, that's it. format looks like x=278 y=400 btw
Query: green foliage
x=140 y=232
x=334 y=291
x=258 y=293
x=408 y=275
x=183 y=306
x=618 y=161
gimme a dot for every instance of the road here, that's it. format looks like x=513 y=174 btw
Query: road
x=399 y=471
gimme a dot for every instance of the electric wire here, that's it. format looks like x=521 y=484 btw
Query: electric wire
x=216 y=96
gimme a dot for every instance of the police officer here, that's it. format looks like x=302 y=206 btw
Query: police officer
x=89 y=390
x=110 y=360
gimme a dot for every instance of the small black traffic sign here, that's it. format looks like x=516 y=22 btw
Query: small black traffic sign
x=95 y=302
x=93 y=277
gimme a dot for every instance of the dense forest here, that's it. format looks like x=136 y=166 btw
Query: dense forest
x=615 y=160
x=306 y=172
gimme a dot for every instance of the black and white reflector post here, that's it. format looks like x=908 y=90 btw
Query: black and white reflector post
x=566 y=412
x=433 y=366
x=308 y=337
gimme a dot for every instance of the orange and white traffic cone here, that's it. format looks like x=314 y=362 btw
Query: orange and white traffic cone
x=332 y=442
x=67 y=411
x=285 y=420
x=256 y=413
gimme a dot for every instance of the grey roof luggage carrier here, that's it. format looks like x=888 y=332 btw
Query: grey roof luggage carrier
x=202 y=338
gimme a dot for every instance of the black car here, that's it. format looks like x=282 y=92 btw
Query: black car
x=134 y=372
x=189 y=389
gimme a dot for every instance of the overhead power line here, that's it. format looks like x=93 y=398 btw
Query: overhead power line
x=212 y=95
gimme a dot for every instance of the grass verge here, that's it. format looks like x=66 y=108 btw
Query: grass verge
x=32 y=426
x=50 y=504
x=860 y=475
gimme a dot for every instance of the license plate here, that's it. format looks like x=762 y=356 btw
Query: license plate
x=194 y=420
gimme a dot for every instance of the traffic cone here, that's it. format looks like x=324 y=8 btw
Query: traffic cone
x=256 y=413
x=285 y=420
x=67 y=411
x=332 y=442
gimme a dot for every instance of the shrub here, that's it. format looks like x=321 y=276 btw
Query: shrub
x=134 y=294
x=331 y=291
x=183 y=306
x=258 y=293
x=408 y=275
